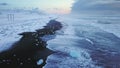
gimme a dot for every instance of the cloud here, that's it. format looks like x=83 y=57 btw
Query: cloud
x=98 y=6
x=3 y=4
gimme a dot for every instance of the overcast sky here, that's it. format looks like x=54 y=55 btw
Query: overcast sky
x=63 y=6
x=97 y=7
x=66 y=6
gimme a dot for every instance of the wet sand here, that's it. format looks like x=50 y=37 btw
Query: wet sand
x=30 y=48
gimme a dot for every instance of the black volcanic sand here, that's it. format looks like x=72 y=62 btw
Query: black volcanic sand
x=30 y=48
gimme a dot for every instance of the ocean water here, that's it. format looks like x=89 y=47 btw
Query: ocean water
x=86 y=43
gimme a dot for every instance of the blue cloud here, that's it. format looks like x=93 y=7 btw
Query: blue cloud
x=96 y=6
x=3 y=4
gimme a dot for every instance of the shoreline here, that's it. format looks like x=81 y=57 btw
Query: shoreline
x=30 y=48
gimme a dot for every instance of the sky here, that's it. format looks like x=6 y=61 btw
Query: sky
x=104 y=7
x=97 y=7
x=54 y=6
